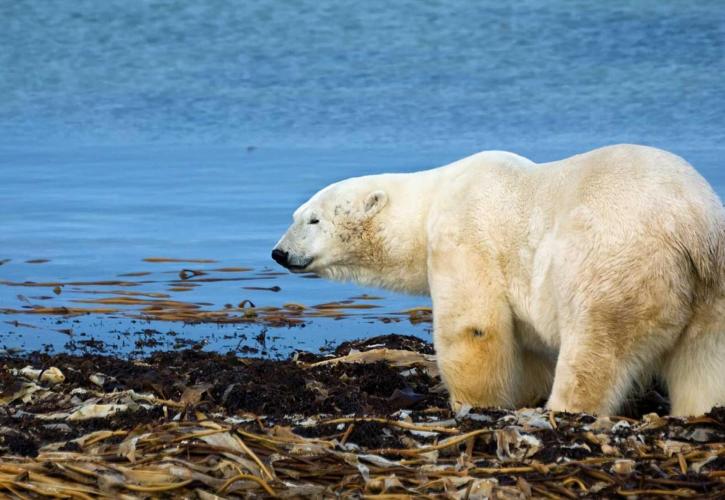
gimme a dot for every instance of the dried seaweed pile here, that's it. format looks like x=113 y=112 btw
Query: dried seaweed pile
x=370 y=420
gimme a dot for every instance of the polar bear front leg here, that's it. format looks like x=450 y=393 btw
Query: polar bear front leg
x=473 y=329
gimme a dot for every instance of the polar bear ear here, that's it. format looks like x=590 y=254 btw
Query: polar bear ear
x=374 y=202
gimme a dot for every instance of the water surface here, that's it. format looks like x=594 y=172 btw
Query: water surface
x=193 y=130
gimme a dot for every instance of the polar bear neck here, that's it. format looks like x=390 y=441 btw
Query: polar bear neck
x=418 y=201
x=404 y=238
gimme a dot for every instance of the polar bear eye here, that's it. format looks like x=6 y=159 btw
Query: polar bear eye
x=314 y=221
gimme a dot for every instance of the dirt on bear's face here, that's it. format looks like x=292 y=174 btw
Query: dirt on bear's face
x=335 y=232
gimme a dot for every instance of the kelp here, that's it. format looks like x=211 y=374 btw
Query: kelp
x=139 y=299
x=370 y=420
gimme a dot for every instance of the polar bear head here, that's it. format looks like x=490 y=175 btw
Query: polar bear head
x=370 y=230
x=338 y=233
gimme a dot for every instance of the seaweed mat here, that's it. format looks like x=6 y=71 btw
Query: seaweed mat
x=99 y=435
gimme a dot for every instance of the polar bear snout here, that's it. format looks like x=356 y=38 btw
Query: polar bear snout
x=280 y=257
x=293 y=262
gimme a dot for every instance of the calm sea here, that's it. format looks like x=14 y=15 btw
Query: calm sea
x=133 y=129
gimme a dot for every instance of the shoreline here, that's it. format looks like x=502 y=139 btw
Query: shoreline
x=370 y=417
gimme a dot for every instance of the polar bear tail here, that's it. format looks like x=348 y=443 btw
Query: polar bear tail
x=710 y=263
x=695 y=368
x=705 y=251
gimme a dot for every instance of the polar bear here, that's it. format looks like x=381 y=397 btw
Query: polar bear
x=574 y=280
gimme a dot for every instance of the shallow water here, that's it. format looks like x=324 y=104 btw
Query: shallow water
x=132 y=130
x=95 y=215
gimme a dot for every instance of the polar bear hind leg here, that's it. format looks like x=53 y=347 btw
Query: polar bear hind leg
x=695 y=369
x=597 y=369
x=619 y=317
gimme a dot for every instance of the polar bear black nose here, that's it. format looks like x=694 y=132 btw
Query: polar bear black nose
x=280 y=257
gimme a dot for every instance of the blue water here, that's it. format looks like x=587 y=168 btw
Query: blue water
x=193 y=129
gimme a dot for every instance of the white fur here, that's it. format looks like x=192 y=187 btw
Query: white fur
x=573 y=281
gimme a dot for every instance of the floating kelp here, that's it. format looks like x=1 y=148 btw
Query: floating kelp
x=140 y=299
x=60 y=311
x=369 y=420
x=159 y=260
